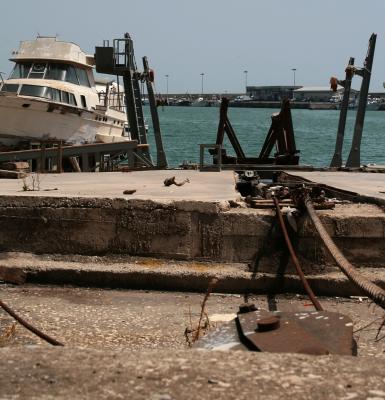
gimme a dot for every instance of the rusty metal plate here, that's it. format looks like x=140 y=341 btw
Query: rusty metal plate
x=331 y=332
x=315 y=332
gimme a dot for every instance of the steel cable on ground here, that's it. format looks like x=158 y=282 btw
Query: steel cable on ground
x=301 y=275
x=29 y=326
x=373 y=291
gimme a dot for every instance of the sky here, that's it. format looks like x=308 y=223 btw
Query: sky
x=220 y=38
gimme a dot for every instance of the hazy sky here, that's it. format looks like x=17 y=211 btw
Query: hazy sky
x=221 y=38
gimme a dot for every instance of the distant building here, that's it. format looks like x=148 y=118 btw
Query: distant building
x=271 y=93
x=319 y=93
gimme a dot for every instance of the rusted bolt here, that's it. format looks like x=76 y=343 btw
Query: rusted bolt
x=267 y=324
x=247 y=307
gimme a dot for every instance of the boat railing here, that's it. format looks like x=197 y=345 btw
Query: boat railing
x=113 y=100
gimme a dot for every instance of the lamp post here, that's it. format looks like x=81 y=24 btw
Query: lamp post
x=202 y=75
x=245 y=72
x=293 y=69
x=167 y=87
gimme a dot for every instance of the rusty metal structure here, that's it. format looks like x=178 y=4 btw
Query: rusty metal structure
x=49 y=156
x=365 y=72
x=316 y=332
x=310 y=332
x=119 y=60
x=280 y=136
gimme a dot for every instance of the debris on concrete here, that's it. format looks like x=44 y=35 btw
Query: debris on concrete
x=171 y=181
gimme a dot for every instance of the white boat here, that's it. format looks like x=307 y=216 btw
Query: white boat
x=51 y=95
x=201 y=102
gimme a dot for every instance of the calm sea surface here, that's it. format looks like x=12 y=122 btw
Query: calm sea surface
x=184 y=128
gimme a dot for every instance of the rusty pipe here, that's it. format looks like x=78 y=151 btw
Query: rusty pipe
x=29 y=326
x=373 y=291
x=300 y=273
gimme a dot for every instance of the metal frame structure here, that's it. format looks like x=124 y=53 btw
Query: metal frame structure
x=84 y=152
x=280 y=135
x=119 y=60
x=354 y=158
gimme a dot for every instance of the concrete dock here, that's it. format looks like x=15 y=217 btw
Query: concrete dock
x=209 y=187
x=202 y=223
x=368 y=186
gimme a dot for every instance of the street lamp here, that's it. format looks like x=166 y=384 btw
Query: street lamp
x=293 y=69
x=202 y=75
x=167 y=87
x=245 y=72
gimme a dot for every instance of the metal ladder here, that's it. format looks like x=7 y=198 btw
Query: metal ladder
x=124 y=60
x=139 y=111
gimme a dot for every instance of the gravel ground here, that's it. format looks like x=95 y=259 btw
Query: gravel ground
x=144 y=320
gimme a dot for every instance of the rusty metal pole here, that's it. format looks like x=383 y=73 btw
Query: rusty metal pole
x=354 y=159
x=301 y=275
x=337 y=158
x=161 y=159
x=29 y=326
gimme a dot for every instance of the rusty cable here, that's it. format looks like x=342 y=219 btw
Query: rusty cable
x=300 y=273
x=29 y=326
x=373 y=291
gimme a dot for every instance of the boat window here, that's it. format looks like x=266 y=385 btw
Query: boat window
x=10 y=87
x=35 y=91
x=72 y=99
x=20 y=71
x=83 y=100
x=37 y=71
x=56 y=72
x=83 y=77
x=64 y=97
x=59 y=96
x=71 y=75
x=56 y=95
x=48 y=93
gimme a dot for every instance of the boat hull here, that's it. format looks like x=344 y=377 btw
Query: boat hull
x=32 y=119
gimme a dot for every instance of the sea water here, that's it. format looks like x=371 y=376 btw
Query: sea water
x=185 y=128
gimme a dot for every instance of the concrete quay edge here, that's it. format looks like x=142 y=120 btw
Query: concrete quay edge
x=190 y=230
x=155 y=274
x=116 y=203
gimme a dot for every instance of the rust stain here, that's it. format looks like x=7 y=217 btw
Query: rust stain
x=151 y=263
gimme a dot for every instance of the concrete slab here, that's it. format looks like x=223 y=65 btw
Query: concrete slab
x=365 y=184
x=131 y=345
x=203 y=186
x=78 y=373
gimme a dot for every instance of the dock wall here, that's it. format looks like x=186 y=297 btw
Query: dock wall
x=180 y=230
